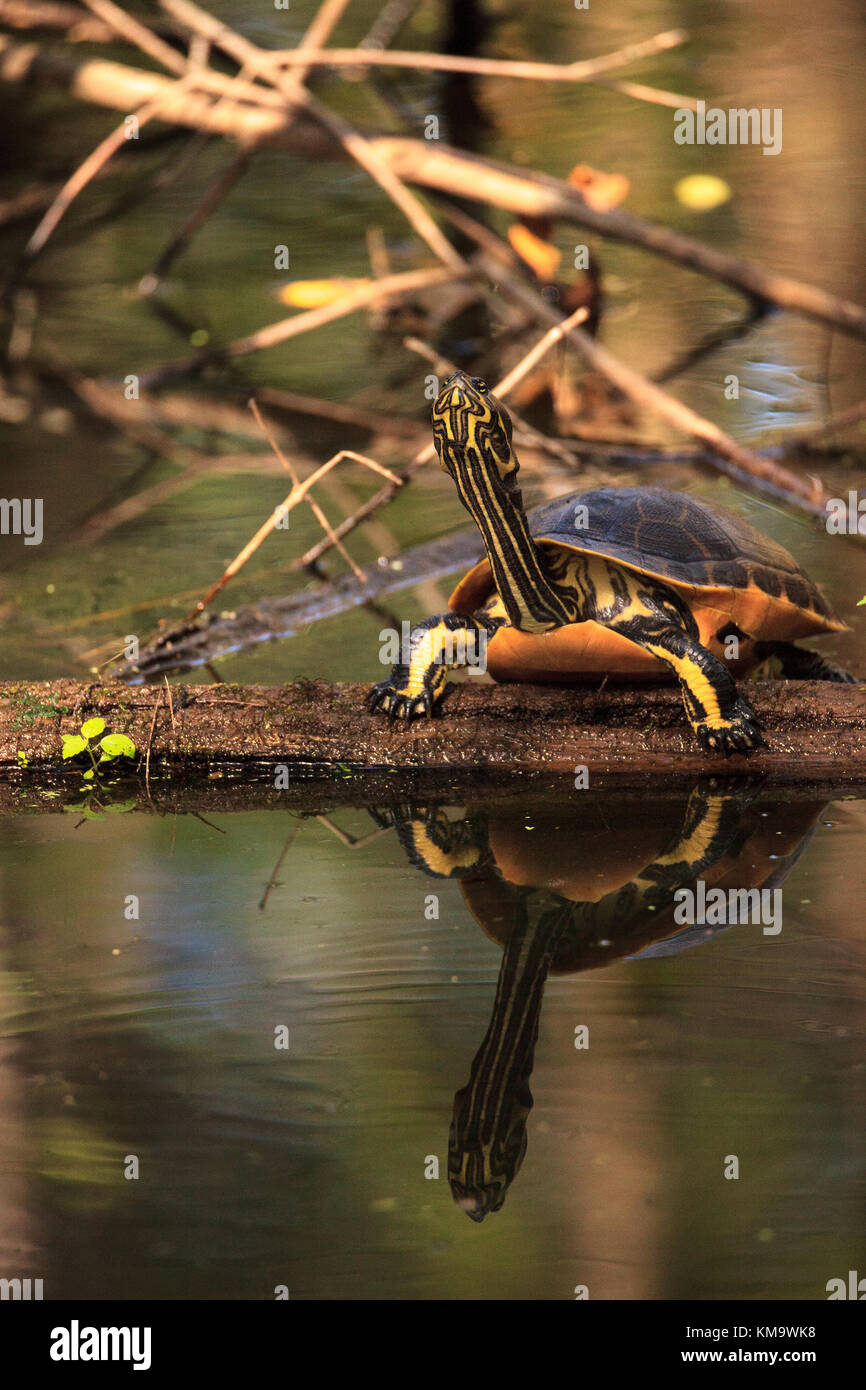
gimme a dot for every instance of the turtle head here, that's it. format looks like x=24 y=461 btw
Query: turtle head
x=472 y=430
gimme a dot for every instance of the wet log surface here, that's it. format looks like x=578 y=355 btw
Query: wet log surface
x=231 y=739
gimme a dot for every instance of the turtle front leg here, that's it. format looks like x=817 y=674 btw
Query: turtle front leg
x=441 y=644
x=655 y=618
x=722 y=718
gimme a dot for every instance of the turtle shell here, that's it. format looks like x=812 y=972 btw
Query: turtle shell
x=578 y=856
x=731 y=576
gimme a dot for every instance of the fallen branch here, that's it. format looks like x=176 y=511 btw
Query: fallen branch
x=261 y=116
x=186 y=645
x=726 y=454
x=538 y=195
x=585 y=71
x=86 y=171
x=256 y=60
x=814 y=730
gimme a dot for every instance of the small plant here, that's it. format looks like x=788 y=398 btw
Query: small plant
x=110 y=747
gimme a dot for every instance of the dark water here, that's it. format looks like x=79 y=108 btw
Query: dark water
x=154 y=1038
x=308 y=1166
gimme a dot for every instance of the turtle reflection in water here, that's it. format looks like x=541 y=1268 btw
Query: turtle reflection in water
x=576 y=894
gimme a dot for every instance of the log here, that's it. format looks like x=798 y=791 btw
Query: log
x=816 y=734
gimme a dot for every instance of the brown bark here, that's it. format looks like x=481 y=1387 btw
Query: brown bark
x=815 y=731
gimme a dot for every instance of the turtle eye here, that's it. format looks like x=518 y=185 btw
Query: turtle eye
x=480 y=386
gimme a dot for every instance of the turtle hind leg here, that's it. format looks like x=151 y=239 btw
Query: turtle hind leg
x=797 y=664
x=418 y=681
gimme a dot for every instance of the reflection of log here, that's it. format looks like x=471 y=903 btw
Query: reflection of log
x=263 y=118
x=816 y=732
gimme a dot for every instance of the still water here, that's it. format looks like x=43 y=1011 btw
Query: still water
x=667 y=1059
x=302 y=1042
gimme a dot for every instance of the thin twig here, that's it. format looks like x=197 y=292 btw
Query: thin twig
x=149 y=743
x=170 y=706
x=323 y=23
x=297 y=494
x=311 y=501
x=583 y=71
x=214 y=194
x=138 y=34
x=259 y=60
x=340 y=412
x=388 y=23
x=428 y=452
x=426 y=164
x=656 y=96
x=82 y=176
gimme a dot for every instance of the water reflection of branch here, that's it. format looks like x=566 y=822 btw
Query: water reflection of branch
x=353 y=841
x=713 y=342
x=820 y=433
x=272 y=881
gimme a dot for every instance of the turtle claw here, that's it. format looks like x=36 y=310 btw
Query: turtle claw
x=377 y=695
x=398 y=704
x=740 y=733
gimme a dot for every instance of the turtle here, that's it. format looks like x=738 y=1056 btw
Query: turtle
x=630 y=583
x=599 y=880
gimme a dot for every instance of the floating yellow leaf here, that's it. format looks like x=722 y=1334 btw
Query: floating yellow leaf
x=602 y=191
x=701 y=192
x=539 y=255
x=312 y=294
